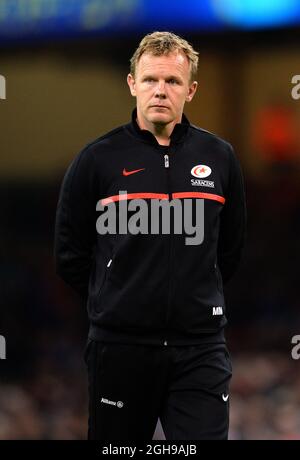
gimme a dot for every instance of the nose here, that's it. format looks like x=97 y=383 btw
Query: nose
x=160 y=91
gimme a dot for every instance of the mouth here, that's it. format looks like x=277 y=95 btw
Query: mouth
x=159 y=106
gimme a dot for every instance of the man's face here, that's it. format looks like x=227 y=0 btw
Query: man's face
x=161 y=87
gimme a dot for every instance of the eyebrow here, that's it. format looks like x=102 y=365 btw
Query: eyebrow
x=170 y=77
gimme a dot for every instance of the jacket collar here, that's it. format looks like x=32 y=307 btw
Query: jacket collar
x=178 y=134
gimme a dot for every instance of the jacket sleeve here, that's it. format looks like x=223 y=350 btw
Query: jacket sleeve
x=233 y=218
x=75 y=224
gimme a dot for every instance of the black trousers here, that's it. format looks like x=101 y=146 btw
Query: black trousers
x=131 y=386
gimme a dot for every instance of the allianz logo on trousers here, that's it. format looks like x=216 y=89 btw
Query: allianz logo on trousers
x=119 y=404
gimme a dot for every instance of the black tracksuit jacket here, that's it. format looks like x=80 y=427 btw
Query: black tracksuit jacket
x=152 y=288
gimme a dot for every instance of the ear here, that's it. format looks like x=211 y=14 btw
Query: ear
x=192 y=89
x=131 y=84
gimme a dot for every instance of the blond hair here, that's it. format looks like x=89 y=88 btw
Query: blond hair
x=162 y=43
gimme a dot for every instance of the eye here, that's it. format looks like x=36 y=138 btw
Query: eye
x=149 y=79
x=172 y=81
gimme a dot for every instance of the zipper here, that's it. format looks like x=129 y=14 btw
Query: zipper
x=166 y=157
x=167 y=166
x=109 y=263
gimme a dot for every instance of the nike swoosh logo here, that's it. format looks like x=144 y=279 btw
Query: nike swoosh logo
x=225 y=397
x=127 y=173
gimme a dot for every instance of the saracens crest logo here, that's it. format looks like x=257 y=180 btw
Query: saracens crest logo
x=201 y=171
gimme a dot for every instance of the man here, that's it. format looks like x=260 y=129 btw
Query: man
x=156 y=346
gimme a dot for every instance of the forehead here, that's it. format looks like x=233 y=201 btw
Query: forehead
x=173 y=63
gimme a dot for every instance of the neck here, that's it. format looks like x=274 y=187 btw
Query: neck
x=162 y=132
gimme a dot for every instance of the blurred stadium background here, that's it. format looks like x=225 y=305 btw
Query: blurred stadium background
x=65 y=65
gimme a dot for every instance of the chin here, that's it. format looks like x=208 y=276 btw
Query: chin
x=159 y=118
